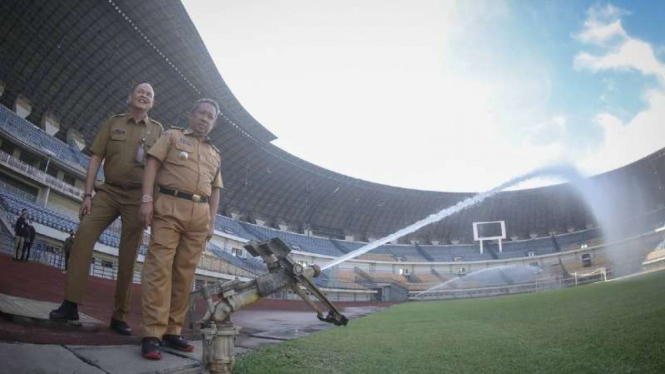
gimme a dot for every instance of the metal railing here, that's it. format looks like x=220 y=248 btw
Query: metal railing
x=56 y=258
x=40 y=176
x=26 y=132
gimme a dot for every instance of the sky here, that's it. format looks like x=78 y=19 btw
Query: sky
x=446 y=95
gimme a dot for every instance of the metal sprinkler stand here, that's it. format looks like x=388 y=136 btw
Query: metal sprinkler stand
x=219 y=333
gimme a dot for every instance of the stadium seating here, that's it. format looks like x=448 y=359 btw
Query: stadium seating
x=252 y=265
x=13 y=204
x=231 y=226
x=29 y=134
x=297 y=242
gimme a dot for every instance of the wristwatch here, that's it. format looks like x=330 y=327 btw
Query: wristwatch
x=146 y=199
x=87 y=195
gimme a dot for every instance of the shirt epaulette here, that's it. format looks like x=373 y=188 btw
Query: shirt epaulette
x=118 y=115
x=215 y=148
x=176 y=128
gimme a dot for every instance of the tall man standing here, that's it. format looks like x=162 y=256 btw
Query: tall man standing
x=122 y=143
x=186 y=167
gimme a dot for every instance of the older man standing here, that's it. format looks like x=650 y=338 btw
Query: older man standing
x=186 y=167
x=122 y=143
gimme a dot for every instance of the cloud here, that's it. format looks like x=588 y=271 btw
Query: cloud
x=632 y=54
x=551 y=131
x=599 y=33
x=606 y=12
x=631 y=141
x=603 y=28
x=623 y=142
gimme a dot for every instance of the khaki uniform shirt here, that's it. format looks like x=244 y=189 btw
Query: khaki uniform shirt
x=117 y=143
x=188 y=165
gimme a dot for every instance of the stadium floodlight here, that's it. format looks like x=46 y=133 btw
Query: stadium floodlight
x=493 y=230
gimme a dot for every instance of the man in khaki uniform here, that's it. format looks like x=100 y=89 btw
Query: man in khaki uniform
x=122 y=143
x=185 y=166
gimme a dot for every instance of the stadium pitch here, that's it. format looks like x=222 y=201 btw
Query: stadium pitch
x=611 y=327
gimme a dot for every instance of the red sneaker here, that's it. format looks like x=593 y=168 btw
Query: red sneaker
x=150 y=349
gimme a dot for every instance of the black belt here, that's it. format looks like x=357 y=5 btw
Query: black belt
x=184 y=195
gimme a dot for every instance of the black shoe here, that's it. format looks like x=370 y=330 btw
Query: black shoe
x=177 y=342
x=150 y=349
x=67 y=311
x=121 y=327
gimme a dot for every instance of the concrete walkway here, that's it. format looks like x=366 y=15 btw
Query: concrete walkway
x=258 y=329
x=31 y=344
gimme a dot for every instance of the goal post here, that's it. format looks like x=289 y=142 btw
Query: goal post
x=600 y=272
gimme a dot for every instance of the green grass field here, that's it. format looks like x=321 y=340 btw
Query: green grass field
x=613 y=327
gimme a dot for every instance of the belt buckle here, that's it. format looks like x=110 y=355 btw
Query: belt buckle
x=196 y=198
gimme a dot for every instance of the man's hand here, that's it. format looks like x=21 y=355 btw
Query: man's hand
x=86 y=208
x=145 y=214
x=211 y=230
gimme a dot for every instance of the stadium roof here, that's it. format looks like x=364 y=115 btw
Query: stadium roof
x=79 y=59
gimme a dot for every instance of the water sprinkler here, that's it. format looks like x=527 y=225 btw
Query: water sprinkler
x=283 y=272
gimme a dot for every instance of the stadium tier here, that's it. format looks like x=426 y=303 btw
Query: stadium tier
x=23 y=131
x=37 y=139
x=50 y=218
x=321 y=246
x=74 y=70
x=81 y=77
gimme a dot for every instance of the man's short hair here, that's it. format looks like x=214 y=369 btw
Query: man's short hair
x=24 y=210
x=205 y=101
x=140 y=83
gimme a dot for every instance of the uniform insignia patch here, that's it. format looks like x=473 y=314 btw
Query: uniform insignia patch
x=186 y=141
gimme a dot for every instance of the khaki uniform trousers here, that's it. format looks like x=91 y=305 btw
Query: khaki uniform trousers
x=178 y=237
x=107 y=204
x=19 y=242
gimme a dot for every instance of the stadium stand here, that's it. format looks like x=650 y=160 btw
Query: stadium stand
x=251 y=265
x=82 y=87
x=22 y=130
x=233 y=227
x=261 y=180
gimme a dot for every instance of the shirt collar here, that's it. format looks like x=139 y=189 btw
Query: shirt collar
x=145 y=119
x=190 y=132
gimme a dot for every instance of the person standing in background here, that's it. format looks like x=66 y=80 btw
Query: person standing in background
x=20 y=234
x=29 y=241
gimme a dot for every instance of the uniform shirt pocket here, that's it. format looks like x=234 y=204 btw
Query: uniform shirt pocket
x=117 y=142
x=118 y=134
x=183 y=154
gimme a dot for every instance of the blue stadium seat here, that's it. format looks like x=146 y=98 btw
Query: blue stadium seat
x=28 y=133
